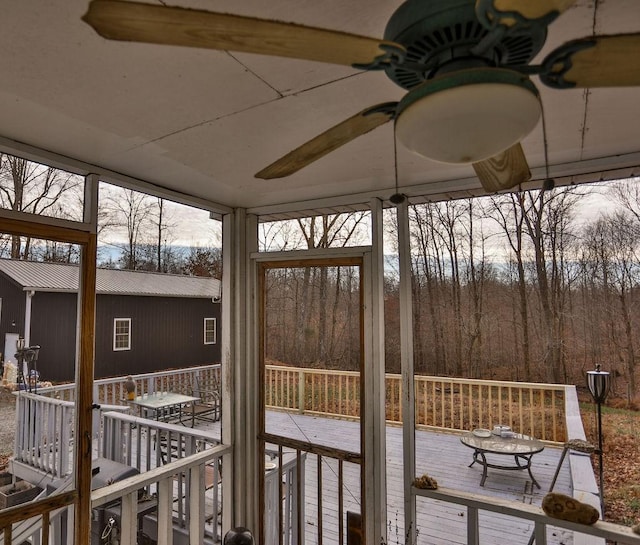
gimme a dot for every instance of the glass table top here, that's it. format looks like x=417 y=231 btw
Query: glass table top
x=518 y=444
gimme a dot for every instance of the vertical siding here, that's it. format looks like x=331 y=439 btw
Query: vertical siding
x=12 y=309
x=166 y=332
x=53 y=327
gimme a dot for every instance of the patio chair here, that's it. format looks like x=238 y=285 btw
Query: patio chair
x=579 y=445
x=207 y=389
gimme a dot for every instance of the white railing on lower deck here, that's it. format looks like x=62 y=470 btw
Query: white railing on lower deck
x=112 y=390
x=44 y=434
x=161 y=480
x=475 y=504
x=147 y=445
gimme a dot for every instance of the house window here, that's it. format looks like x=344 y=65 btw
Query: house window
x=122 y=334
x=209 y=331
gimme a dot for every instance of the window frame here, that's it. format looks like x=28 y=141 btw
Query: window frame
x=215 y=332
x=116 y=334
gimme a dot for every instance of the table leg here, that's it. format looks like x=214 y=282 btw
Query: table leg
x=527 y=459
x=483 y=462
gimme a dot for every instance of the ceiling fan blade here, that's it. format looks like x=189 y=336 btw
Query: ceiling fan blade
x=511 y=12
x=598 y=61
x=504 y=170
x=157 y=24
x=330 y=140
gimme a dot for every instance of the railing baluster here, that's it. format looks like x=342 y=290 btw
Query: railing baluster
x=433 y=403
x=301 y=393
x=451 y=411
x=473 y=527
x=128 y=519
x=442 y=405
x=165 y=510
x=520 y=407
x=553 y=413
x=531 y=423
x=471 y=406
x=195 y=495
x=540 y=532
x=340 y=502
x=319 y=485
x=299 y=498
x=480 y=408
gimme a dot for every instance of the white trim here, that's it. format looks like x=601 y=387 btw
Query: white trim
x=406 y=359
x=27 y=317
x=317 y=253
x=75 y=166
x=374 y=447
x=215 y=332
x=613 y=167
x=128 y=347
x=228 y=366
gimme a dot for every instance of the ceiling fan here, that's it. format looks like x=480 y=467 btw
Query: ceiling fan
x=464 y=64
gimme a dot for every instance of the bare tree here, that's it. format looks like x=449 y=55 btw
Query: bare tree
x=163 y=223
x=612 y=242
x=547 y=216
x=508 y=213
x=129 y=212
x=30 y=187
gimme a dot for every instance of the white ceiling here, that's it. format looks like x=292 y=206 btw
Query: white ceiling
x=203 y=122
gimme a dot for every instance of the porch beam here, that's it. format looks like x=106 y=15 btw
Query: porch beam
x=85 y=358
x=374 y=428
x=75 y=166
x=240 y=239
x=408 y=371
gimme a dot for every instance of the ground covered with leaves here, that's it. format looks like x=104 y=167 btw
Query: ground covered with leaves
x=7 y=425
x=621 y=461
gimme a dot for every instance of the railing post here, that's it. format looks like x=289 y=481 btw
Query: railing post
x=129 y=519
x=473 y=528
x=165 y=512
x=540 y=533
x=196 y=504
x=301 y=393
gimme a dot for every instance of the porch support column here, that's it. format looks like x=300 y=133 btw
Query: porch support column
x=239 y=373
x=85 y=361
x=27 y=317
x=407 y=364
x=374 y=446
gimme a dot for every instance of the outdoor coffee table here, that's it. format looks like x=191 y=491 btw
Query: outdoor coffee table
x=521 y=447
x=164 y=405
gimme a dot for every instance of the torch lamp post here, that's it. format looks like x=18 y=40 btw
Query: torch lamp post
x=599 y=383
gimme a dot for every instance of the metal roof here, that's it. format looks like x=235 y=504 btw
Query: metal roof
x=37 y=276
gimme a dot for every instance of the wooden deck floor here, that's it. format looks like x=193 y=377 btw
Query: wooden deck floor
x=440 y=455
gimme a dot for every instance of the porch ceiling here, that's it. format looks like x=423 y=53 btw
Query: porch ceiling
x=203 y=122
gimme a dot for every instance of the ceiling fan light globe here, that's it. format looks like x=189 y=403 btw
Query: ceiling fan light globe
x=467 y=121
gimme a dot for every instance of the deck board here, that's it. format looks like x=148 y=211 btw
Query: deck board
x=440 y=455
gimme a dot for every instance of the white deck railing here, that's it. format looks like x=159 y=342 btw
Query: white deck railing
x=441 y=402
x=112 y=390
x=44 y=435
x=475 y=504
x=151 y=447
x=188 y=501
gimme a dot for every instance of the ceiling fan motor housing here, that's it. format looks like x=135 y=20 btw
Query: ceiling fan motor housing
x=439 y=36
x=469 y=115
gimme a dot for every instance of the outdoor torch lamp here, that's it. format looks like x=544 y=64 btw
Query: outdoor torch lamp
x=599 y=383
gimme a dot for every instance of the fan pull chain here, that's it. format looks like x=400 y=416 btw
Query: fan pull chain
x=396 y=198
x=548 y=183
